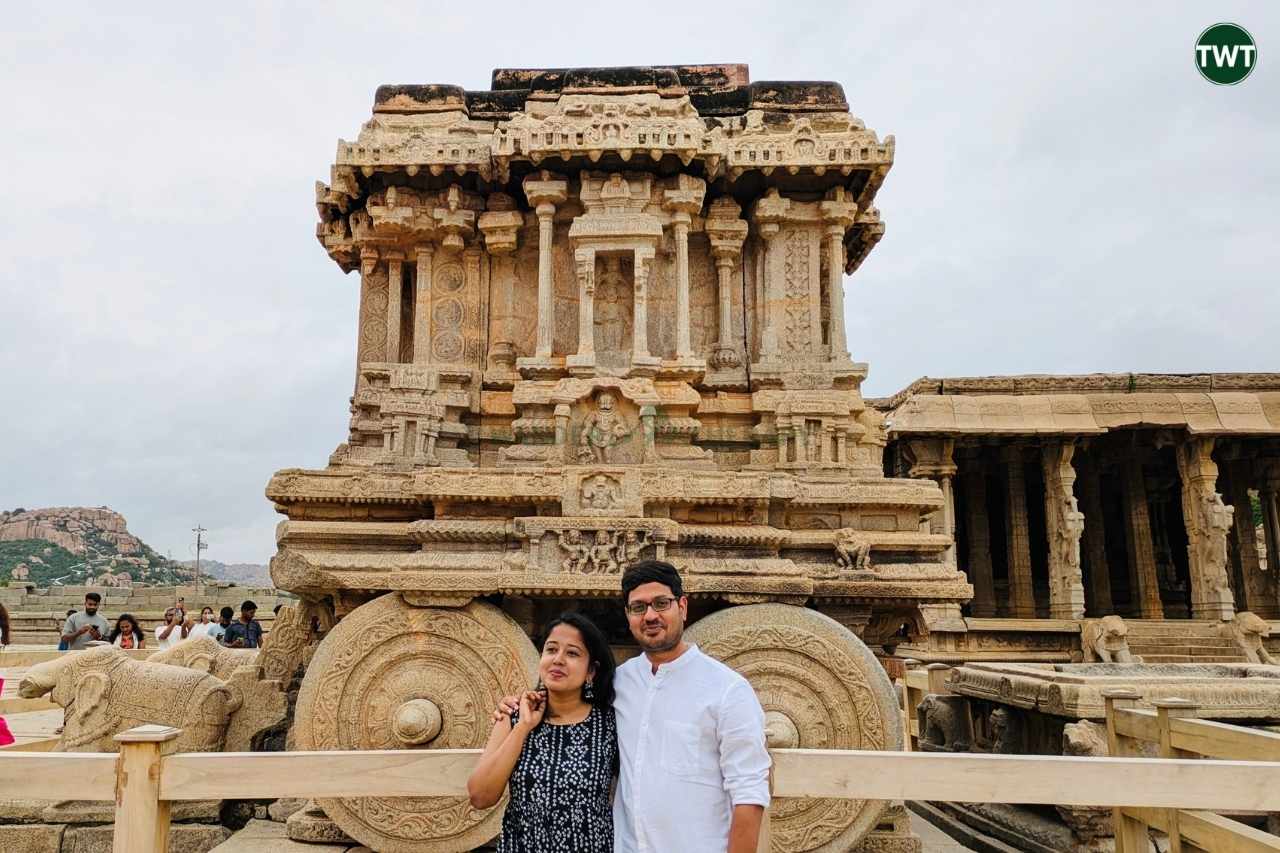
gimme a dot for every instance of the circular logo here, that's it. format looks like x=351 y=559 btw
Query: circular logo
x=1226 y=54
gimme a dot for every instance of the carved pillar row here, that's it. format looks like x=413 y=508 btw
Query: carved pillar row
x=1144 y=584
x=1063 y=523
x=839 y=213
x=422 y=306
x=1022 y=601
x=973 y=479
x=395 y=289
x=585 y=266
x=1257 y=588
x=544 y=192
x=1095 y=540
x=1208 y=520
x=934 y=458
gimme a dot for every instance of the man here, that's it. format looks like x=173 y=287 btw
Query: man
x=87 y=625
x=694 y=767
x=175 y=629
x=246 y=632
x=225 y=615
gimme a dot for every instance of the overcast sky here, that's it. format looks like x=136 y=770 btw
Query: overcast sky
x=1068 y=196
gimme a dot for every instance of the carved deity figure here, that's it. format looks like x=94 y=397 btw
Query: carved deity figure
x=1216 y=523
x=601 y=431
x=600 y=492
x=603 y=558
x=577 y=552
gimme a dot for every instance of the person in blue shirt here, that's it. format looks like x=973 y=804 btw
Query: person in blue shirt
x=245 y=632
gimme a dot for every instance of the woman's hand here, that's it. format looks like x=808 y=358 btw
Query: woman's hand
x=507 y=706
x=533 y=705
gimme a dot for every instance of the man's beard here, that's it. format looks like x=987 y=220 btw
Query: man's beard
x=669 y=641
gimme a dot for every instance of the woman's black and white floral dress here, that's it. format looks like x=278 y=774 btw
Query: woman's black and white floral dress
x=560 y=788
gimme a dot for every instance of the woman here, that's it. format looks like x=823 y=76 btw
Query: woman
x=559 y=752
x=207 y=627
x=6 y=737
x=126 y=634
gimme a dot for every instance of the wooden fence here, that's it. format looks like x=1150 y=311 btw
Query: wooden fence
x=143 y=782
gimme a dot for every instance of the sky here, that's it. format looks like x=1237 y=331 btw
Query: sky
x=1068 y=196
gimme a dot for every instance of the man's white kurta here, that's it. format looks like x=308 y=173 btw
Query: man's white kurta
x=691 y=745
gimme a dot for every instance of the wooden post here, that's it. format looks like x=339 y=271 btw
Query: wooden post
x=1131 y=833
x=1165 y=710
x=939 y=675
x=765 y=842
x=908 y=706
x=142 y=818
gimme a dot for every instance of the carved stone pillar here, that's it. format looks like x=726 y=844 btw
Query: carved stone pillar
x=1144 y=583
x=585 y=267
x=372 y=338
x=769 y=213
x=1064 y=523
x=1022 y=601
x=395 y=289
x=934 y=459
x=683 y=200
x=1257 y=591
x=973 y=479
x=500 y=225
x=1095 y=540
x=422 y=306
x=640 y=357
x=544 y=192
x=1208 y=520
x=1269 y=498
x=726 y=231
x=839 y=214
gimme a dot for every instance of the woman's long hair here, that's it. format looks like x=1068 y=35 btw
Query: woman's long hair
x=137 y=629
x=598 y=653
x=4 y=626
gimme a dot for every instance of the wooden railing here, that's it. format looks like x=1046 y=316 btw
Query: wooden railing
x=1176 y=734
x=143 y=782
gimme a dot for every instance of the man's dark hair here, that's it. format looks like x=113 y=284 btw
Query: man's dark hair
x=598 y=653
x=227 y=613
x=248 y=605
x=93 y=596
x=651 y=571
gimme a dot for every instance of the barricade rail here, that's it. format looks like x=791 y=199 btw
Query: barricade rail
x=143 y=782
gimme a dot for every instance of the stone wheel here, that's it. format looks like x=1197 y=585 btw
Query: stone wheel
x=394 y=676
x=821 y=688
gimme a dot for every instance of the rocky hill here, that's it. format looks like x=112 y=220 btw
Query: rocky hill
x=79 y=546
x=244 y=574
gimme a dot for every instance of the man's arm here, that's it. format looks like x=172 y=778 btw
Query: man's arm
x=69 y=633
x=744 y=830
x=744 y=764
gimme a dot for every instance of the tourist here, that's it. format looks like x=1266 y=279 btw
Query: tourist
x=558 y=750
x=245 y=632
x=81 y=628
x=127 y=634
x=62 y=643
x=694 y=771
x=208 y=626
x=225 y=615
x=174 y=630
x=6 y=737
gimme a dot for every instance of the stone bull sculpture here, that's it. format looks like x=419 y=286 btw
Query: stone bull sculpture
x=206 y=655
x=103 y=692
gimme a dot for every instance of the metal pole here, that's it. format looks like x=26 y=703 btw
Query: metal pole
x=200 y=546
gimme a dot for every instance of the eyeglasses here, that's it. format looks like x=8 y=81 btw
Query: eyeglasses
x=659 y=604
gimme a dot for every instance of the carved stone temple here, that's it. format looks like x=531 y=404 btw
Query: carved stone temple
x=602 y=318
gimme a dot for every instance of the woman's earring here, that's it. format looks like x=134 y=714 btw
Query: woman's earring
x=587 y=692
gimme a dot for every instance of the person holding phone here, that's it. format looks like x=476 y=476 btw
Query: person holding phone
x=86 y=625
x=559 y=752
x=174 y=630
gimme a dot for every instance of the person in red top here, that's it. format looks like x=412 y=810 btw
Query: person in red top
x=6 y=737
x=127 y=634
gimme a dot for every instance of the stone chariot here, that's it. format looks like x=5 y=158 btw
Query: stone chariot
x=602 y=319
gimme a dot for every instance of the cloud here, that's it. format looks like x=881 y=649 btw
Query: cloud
x=1068 y=196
